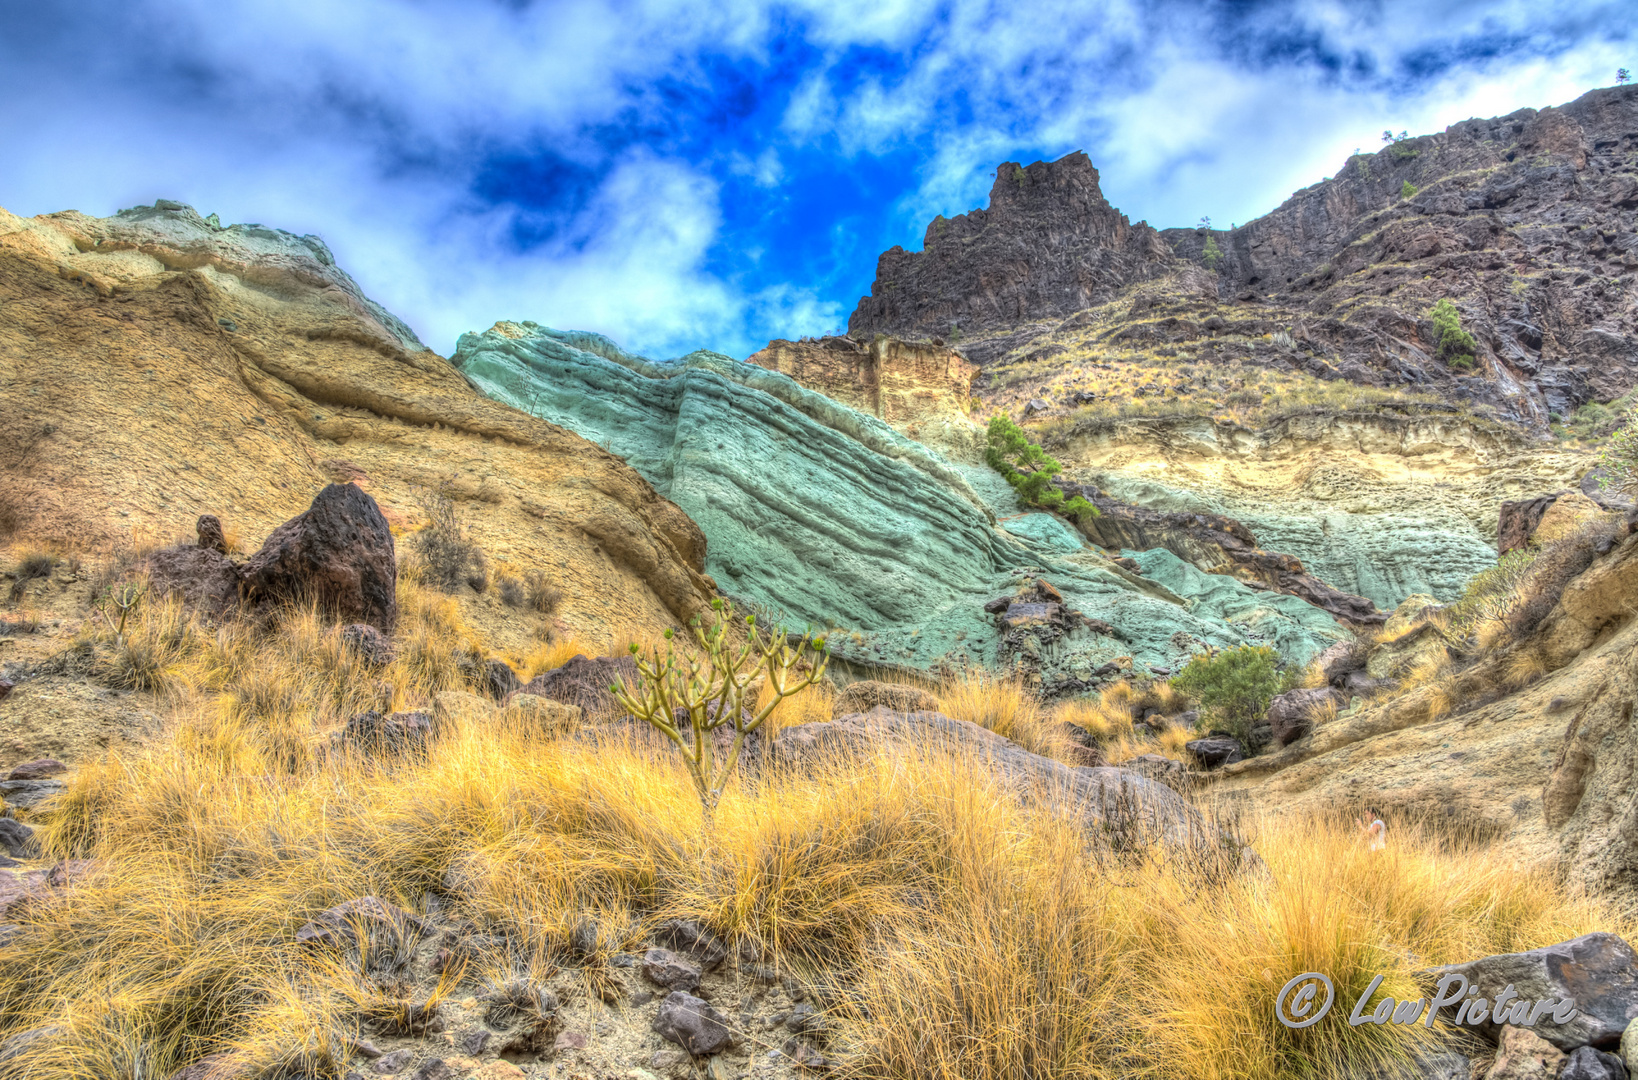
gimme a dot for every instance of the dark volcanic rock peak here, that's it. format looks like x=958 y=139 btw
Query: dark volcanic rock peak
x=1049 y=245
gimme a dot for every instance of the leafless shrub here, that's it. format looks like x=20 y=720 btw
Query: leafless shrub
x=448 y=554
x=1558 y=564
x=544 y=597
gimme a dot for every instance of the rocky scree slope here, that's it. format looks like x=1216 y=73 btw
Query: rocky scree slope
x=826 y=516
x=1526 y=222
x=155 y=366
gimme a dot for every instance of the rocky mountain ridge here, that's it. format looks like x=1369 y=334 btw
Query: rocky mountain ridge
x=1526 y=222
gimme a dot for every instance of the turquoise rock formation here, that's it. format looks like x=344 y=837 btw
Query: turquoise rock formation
x=826 y=517
x=1383 y=555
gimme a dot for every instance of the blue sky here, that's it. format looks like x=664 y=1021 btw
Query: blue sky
x=691 y=174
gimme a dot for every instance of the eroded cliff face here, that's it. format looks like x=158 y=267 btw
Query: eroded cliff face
x=1048 y=245
x=1526 y=222
x=827 y=516
x=1377 y=505
x=155 y=366
x=1548 y=769
x=920 y=389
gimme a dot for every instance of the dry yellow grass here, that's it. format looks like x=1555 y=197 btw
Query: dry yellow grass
x=1005 y=706
x=552 y=654
x=983 y=939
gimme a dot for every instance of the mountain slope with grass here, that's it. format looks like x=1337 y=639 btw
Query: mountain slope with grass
x=155 y=366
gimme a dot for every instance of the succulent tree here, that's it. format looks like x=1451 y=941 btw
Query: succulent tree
x=687 y=698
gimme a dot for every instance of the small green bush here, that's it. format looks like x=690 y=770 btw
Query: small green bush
x=1212 y=256
x=1234 y=686
x=1408 y=190
x=1030 y=470
x=1456 y=346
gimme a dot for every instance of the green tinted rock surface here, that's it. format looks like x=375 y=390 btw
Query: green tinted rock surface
x=829 y=518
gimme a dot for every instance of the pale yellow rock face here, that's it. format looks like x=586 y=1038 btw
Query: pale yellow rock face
x=1551 y=770
x=921 y=390
x=184 y=371
x=1567 y=514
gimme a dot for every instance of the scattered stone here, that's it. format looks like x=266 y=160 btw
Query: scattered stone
x=540 y=714
x=28 y=794
x=665 y=968
x=433 y=1070
x=584 y=682
x=17 y=890
x=1598 y=971
x=499 y=1070
x=1215 y=751
x=397 y=1061
x=1034 y=406
x=454 y=707
x=642 y=997
x=570 y=1040
x=803 y=1055
x=1524 y=1055
x=696 y=940
x=37 y=770
x=692 y=1024
x=367 y=1048
x=339 y=553
x=472 y=1043
x=665 y=1060
x=339 y=926
x=866 y=695
x=1339 y=659
x=805 y=1020
x=1589 y=1064
x=6 y=687
x=68 y=871
x=209 y=529
x=1291 y=714
x=394 y=732
x=369 y=644
x=18 y=839
x=211 y=1067
x=501 y=680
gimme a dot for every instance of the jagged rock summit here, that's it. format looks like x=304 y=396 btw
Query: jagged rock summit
x=1524 y=222
x=1048 y=245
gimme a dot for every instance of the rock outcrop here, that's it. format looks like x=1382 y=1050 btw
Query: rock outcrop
x=1523 y=221
x=155 y=366
x=827 y=516
x=338 y=554
x=921 y=389
x=1048 y=245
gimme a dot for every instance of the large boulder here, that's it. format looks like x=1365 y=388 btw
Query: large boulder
x=1341 y=659
x=204 y=579
x=1215 y=751
x=1291 y=715
x=1599 y=972
x=339 y=554
x=866 y=695
x=1524 y=1055
x=1104 y=797
x=584 y=682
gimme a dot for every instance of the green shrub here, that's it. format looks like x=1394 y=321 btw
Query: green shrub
x=1408 y=190
x=1620 y=457
x=1212 y=255
x=1456 y=346
x=1030 y=470
x=1234 y=686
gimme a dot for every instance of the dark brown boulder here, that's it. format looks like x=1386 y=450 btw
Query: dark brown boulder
x=6 y=687
x=339 y=554
x=585 y=681
x=204 y=579
x=1291 y=714
x=1215 y=751
x=209 y=527
x=501 y=680
x=38 y=769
